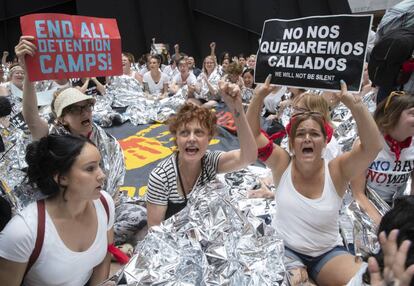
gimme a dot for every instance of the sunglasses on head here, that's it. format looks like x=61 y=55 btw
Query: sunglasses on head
x=393 y=94
x=307 y=114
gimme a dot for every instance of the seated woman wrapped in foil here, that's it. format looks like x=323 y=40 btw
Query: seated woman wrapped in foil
x=208 y=81
x=193 y=165
x=310 y=188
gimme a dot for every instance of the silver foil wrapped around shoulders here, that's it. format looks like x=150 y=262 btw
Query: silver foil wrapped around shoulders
x=112 y=158
x=210 y=242
x=124 y=91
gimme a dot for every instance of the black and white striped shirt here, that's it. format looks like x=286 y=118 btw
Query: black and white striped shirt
x=162 y=183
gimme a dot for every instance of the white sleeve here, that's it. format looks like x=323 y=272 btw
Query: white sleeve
x=165 y=78
x=175 y=79
x=111 y=207
x=145 y=77
x=17 y=240
x=192 y=79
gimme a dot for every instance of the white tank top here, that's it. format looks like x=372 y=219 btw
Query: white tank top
x=308 y=226
x=387 y=176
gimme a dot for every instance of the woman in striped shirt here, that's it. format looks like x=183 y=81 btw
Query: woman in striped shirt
x=193 y=165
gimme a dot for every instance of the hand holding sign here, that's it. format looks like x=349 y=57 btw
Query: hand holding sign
x=72 y=46
x=23 y=48
x=265 y=89
x=347 y=98
x=314 y=52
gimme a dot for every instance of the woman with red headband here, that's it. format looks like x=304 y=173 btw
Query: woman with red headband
x=310 y=188
x=388 y=174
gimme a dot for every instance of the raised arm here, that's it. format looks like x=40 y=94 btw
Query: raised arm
x=37 y=126
x=99 y=86
x=84 y=86
x=213 y=51
x=237 y=159
x=4 y=58
x=253 y=117
x=358 y=192
x=358 y=159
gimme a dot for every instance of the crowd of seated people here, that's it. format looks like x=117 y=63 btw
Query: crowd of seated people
x=68 y=164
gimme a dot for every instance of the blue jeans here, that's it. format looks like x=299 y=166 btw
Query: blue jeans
x=315 y=264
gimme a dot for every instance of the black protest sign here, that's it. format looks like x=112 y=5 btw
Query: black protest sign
x=314 y=52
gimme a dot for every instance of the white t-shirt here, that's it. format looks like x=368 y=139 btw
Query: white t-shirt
x=178 y=80
x=56 y=264
x=170 y=72
x=155 y=87
x=389 y=177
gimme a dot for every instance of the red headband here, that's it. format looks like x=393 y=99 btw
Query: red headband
x=328 y=129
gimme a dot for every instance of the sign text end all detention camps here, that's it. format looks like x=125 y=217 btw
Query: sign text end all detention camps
x=72 y=46
x=314 y=52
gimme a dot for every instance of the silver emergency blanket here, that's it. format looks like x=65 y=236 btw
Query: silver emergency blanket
x=112 y=158
x=123 y=91
x=345 y=126
x=126 y=92
x=155 y=110
x=214 y=240
x=362 y=230
x=12 y=160
x=213 y=79
x=9 y=196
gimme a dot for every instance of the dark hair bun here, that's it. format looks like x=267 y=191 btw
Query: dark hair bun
x=52 y=156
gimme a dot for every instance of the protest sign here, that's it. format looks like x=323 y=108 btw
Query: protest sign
x=314 y=52
x=72 y=46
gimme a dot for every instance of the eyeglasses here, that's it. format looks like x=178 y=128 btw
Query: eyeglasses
x=392 y=94
x=79 y=109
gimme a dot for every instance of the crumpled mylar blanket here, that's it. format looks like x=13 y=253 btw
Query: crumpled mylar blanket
x=210 y=242
x=155 y=110
x=362 y=229
x=345 y=126
x=126 y=92
x=12 y=160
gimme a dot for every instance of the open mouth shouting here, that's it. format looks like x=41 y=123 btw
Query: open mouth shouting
x=308 y=151
x=191 y=150
x=86 y=123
